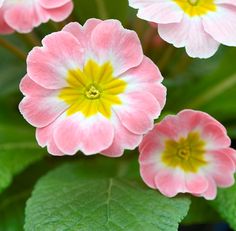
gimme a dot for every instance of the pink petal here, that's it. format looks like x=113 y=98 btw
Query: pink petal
x=148 y=173
x=170 y=182
x=90 y=135
x=61 y=13
x=222 y=25
x=49 y=65
x=222 y=167
x=53 y=4
x=162 y=12
x=82 y=33
x=196 y=183
x=44 y=137
x=40 y=111
x=189 y=33
x=210 y=193
x=191 y=120
x=17 y=17
x=123 y=139
x=138 y=112
x=214 y=137
x=4 y=27
x=30 y=88
x=146 y=77
x=110 y=41
x=150 y=149
x=230 y=2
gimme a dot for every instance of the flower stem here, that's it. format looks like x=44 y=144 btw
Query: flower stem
x=13 y=49
x=102 y=9
x=166 y=56
x=32 y=39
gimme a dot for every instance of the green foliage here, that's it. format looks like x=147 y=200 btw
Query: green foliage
x=69 y=198
x=209 y=86
x=103 y=9
x=17 y=151
x=225 y=204
x=200 y=213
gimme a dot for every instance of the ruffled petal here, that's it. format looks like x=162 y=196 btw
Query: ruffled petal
x=138 y=112
x=190 y=33
x=82 y=33
x=123 y=139
x=49 y=65
x=162 y=12
x=146 y=77
x=61 y=13
x=89 y=135
x=53 y=4
x=170 y=182
x=222 y=25
x=111 y=42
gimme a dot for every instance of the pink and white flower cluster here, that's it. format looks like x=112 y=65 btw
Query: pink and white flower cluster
x=198 y=25
x=23 y=16
x=91 y=89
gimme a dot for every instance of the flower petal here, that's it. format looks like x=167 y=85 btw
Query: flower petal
x=162 y=12
x=170 y=182
x=49 y=65
x=146 y=77
x=53 y=4
x=110 y=41
x=190 y=33
x=89 y=135
x=138 y=112
x=82 y=33
x=222 y=25
x=123 y=139
x=61 y=13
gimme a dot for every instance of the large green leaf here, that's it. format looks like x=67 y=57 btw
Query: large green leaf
x=225 y=204
x=75 y=197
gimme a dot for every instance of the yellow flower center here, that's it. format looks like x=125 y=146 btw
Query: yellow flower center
x=92 y=90
x=186 y=154
x=197 y=7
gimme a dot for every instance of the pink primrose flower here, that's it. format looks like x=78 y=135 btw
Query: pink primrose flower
x=198 y=25
x=91 y=89
x=187 y=153
x=23 y=16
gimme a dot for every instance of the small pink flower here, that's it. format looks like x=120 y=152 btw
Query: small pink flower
x=187 y=153
x=91 y=89
x=23 y=16
x=198 y=25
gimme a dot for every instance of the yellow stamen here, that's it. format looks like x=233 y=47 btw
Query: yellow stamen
x=197 y=7
x=92 y=90
x=186 y=153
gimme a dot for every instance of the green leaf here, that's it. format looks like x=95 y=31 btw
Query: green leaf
x=225 y=204
x=74 y=198
x=17 y=151
x=14 y=158
x=200 y=213
x=13 y=199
